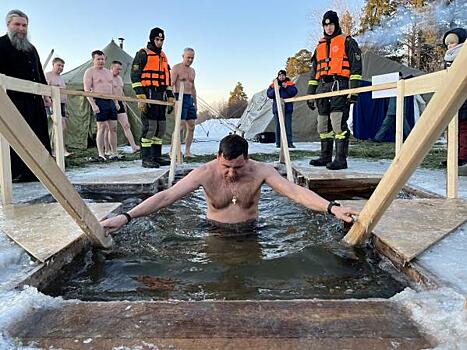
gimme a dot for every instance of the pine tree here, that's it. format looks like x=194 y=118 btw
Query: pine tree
x=299 y=63
x=238 y=101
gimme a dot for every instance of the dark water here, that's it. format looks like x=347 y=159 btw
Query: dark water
x=292 y=253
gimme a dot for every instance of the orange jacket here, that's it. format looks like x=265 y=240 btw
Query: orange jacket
x=156 y=72
x=332 y=60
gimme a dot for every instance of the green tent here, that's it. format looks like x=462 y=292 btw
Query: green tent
x=81 y=125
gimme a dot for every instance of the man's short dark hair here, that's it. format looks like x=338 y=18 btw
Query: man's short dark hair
x=57 y=60
x=117 y=62
x=97 y=53
x=232 y=146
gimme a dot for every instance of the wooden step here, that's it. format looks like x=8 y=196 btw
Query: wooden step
x=297 y=324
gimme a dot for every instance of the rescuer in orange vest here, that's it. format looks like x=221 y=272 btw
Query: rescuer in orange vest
x=150 y=77
x=336 y=65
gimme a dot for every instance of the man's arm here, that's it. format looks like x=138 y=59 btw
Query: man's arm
x=87 y=85
x=194 y=91
x=158 y=201
x=305 y=197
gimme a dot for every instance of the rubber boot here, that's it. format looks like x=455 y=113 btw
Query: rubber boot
x=326 y=153
x=340 y=161
x=156 y=156
x=147 y=159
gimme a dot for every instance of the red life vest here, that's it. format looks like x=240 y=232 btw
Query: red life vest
x=332 y=61
x=156 y=71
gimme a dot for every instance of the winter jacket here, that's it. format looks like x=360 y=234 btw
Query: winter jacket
x=289 y=91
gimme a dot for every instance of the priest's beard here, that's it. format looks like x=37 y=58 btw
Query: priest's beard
x=19 y=41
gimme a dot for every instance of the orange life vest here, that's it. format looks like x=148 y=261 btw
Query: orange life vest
x=332 y=61
x=156 y=71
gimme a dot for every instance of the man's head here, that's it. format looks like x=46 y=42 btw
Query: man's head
x=17 y=27
x=281 y=75
x=116 y=68
x=98 y=59
x=57 y=65
x=157 y=37
x=331 y=23
x=188 y=56
x=232 y=156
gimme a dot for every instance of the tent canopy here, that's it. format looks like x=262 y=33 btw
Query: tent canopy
x=258 y=117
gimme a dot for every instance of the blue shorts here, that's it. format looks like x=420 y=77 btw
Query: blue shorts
x=188 y=108
x=107 y=110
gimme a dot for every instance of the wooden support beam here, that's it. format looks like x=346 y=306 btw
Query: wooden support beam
x=452 y=166
x=176 y=145
x=443 y=105
x=19 y=135
x=424 y=84
x=5 y=165
x=399 y=137
x=26 y=86
x=58 y=128
x=115 y=97
x=378 y=87
x=284 y=152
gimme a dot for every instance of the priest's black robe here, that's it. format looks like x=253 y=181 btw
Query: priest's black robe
x=25 y=65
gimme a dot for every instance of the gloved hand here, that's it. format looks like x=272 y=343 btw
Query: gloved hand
x=352 y=98
x=141 y=105
x=311 y=104
x=170 y=109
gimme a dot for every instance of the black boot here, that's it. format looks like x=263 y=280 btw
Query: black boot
x=340 y=162
x=147 y=159
x=326 y=153
x=156 y=156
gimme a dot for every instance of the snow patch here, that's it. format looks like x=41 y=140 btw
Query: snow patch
x=440 y=313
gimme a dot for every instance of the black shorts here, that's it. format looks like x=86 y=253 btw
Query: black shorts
x=121 y=107
x=107 y=110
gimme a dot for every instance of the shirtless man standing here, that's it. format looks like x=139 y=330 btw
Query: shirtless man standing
x=99 y=79
x=182 y=72
x=116 y=69
x=54 y=78
x=232 y=186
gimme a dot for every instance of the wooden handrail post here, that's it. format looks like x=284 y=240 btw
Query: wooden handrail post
x=452 y=166
x=436 y=117
x=176 y=145
x=27 y=145
x=58 y=128
x=284 y=152
x=5 y=165
x=399 y=137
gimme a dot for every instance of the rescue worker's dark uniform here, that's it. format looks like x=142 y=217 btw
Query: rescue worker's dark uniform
x=150 y=77
x=336 y=65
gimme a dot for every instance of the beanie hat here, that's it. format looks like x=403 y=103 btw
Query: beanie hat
x=330 y=17
x=460 y=33
x=282 y=72
x=156 y=33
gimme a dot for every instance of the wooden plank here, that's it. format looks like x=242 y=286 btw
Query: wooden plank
x=424 y=84
x=58 y=128
x=5 y=164
x=378 y=87
x=5 y=172
x=114 y=97
x=208 y=325
x=26 y=144
x=47 y=60
x=452 y=166
x=399 y=137
x=45 y=229
x=284 y=152
x=175 y=149
x=26 y=86
x=443 y=105
x=411 y=226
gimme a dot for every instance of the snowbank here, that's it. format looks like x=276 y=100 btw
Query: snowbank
x=440 y=313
